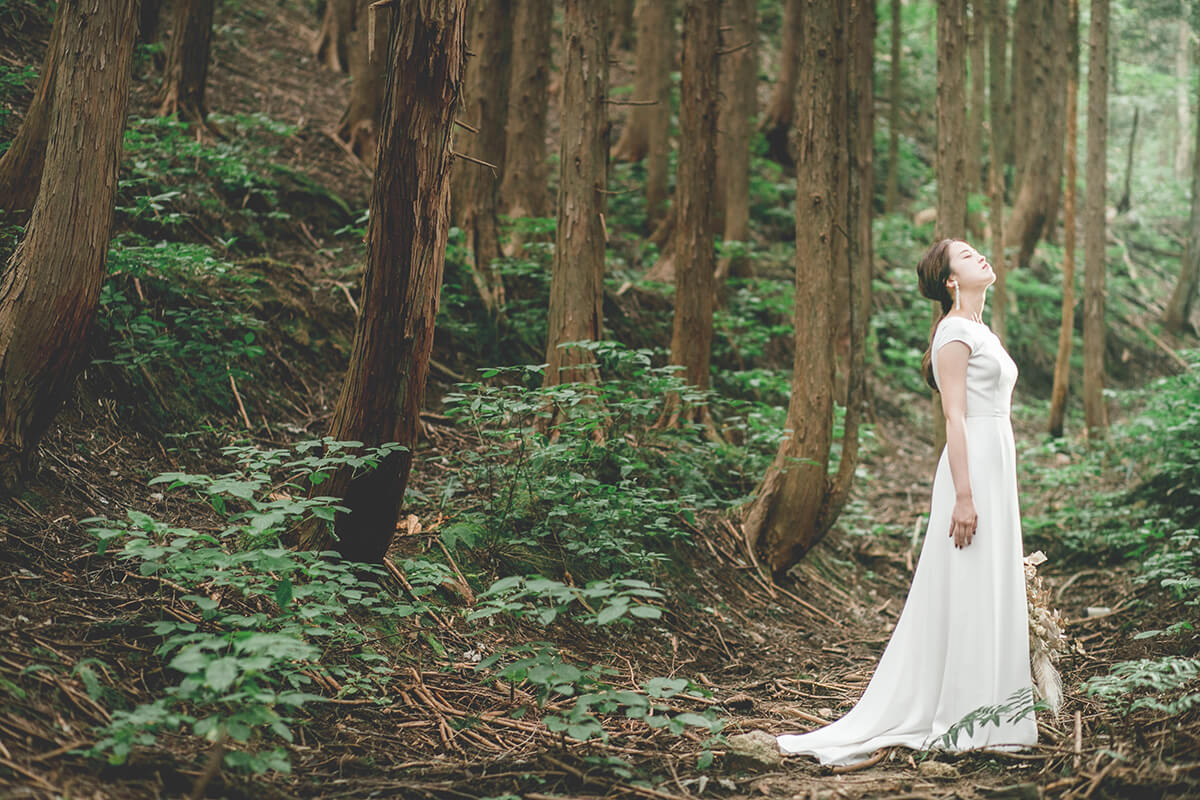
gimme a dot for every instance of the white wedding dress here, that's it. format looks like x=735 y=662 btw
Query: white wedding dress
x=962 y=640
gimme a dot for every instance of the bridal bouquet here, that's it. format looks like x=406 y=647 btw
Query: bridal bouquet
x=1046 y=638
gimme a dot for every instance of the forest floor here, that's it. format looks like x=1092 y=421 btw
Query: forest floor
x=779 y=658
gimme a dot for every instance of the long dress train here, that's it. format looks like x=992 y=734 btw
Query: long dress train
x=962 y=639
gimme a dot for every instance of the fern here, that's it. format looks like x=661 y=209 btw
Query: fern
x=1154 y=679
x=1017 y=707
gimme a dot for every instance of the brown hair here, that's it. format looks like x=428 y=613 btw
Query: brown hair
x=932 y=272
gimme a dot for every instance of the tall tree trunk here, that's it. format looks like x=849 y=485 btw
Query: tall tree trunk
x=791 y=510
x=1095 y=413
x=523 y=192
x=776 y=122
x=621 y=23
x=577 y=283
x=359 y=125
x=976 y=46
x=997 y=24
x=1025 y=20
x=1066 y=332
x=1177 y=318
x=691 y=337
x=1183 y=72
x=647 y=129
x=21 y=165
x=893 y=162
x=998 y=80
x=651 y=81
x=739 y=81
x=859 y=203
x=658 y=118
x=839 y=246
x=332 y=45
x=50 y=287
x=478 y=187
x=149 y=15
x=406 y=246
x=951 y=166
x=1123 y=202
x=186 y=76
x=1044 y=100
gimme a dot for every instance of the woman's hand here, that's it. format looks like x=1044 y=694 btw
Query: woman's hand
x=963 y=521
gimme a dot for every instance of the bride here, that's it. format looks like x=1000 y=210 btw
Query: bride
x=962 y=640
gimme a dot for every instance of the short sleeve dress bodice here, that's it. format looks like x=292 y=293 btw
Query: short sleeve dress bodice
x=991 y=372
x=962 y=639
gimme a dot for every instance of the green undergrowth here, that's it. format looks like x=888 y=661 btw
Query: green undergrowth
x=1148 y=459
x=264 y=617
x=583 y=478
x=254 y=622
x=465 y=327
x=1149 y=518
x=173 y=322
x=15 y=81
x=232 y=190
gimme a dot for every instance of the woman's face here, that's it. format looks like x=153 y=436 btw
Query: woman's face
x=969 y=268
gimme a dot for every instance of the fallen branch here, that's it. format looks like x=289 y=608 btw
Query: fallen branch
x=237 y=396
x=1166 y=348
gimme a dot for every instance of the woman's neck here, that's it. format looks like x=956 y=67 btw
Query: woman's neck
x=971 y=306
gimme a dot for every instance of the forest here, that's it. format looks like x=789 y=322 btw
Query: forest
x=523 y=398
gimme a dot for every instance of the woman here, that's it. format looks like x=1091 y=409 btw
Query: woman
x=962 y=640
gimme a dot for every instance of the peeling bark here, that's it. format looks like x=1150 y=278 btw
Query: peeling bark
x=476 y=188
x=50 y=287
x=797 y=502
x=691 y=336
x=384 y=386
x=577 y=283
x=523 y=191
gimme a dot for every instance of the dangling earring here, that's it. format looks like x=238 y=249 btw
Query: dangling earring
x=957 y=298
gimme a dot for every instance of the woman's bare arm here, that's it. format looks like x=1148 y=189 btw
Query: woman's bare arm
x=952 y=380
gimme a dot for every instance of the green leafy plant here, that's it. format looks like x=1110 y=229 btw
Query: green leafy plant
x=12 y=81
x=540 y=666
x=593 y=490
x=1147 y=683
x=172 y=308
x=169 y=175
x=263 y=615
x=547 y=599
x=1016 y=707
